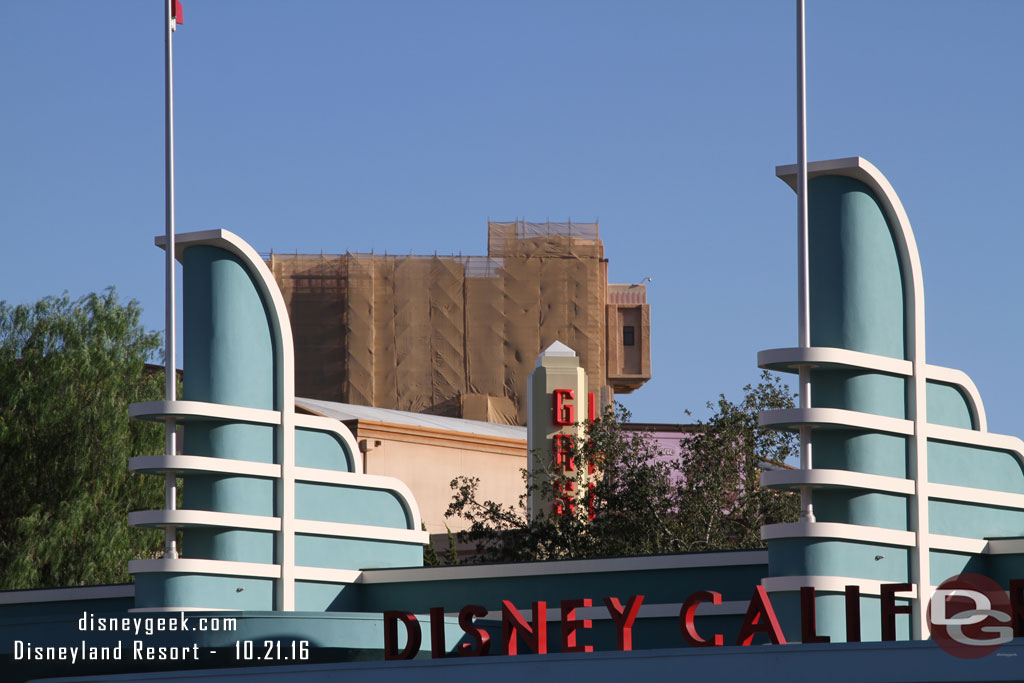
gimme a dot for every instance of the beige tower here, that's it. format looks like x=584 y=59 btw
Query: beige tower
x=558 y=404
x=455 y=335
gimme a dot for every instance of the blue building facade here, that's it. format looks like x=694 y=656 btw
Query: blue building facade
x=284 y=534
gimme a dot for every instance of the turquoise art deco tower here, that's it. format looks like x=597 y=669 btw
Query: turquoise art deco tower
x=907 y=484
x=277 y=513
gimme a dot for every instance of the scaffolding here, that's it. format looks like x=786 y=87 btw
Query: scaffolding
x=449 y=335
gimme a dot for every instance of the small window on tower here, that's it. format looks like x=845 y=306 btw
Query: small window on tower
x=628 y=335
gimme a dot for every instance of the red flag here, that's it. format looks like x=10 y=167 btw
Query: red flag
x=176 y=13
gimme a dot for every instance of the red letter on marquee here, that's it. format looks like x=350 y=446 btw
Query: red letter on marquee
x=760 y=606
x=564 y=414
x=890 y=609
x=513 y=625
x=853 y=614
x=412 y=635
x=570 y=624
x=624 y=619
x=482 y=638
x=687 y=613
x=437 y=633
x=591 y=406
x=808 y=619
x=1017 y=606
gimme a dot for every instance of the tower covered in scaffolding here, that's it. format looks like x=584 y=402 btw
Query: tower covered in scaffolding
x=458 y=335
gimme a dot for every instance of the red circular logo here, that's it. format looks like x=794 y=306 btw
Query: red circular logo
x=969 y=616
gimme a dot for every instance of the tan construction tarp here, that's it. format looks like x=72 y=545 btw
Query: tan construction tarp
x=448 y=335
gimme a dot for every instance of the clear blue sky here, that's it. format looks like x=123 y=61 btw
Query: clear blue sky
x=403 y=126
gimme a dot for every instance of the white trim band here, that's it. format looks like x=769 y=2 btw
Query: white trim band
x=193 y=566
x=324 y=574
x=837 y=479
x=202 y=518
x=966 y=494
x=834 y=418
x=161 y=464
x=19 y=597
x=789 y=360
x=201 y=410
x=848 y=532
x=832 y=584
x=360 y=531
x=614 y=564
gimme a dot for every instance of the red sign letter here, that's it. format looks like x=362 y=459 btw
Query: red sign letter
x=1017 y=606
x=562 y=447
x=513 y=625
x=687 y=613
x=412 y=635
x=808 y=619
x=624 y=619
x=890 y=609
x=760 y=606
x=564 y=414
x=853 y=614
x=437 y=633
x=570 y=624
x=482 y=638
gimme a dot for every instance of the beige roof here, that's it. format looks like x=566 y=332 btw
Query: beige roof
x=348 y=411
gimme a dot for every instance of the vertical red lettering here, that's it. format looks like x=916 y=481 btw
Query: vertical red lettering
x=570 y=624
x=890 y=609
x=808 y=618
x=591 y=406
x=562 y=446
x=564 y=498
x=437 y=649
x=686 y=619
x=760 y=619
x=412 y=635
x=624 y=619
x=513 y=625
x=565 y=413
x=853 y=614
x=481 y=639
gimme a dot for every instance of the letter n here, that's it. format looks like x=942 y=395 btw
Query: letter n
x=513 y=625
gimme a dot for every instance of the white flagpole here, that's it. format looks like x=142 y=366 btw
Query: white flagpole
x=804 y=306
x=170 y=355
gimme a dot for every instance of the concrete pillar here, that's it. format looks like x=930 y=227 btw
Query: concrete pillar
x=558 y=405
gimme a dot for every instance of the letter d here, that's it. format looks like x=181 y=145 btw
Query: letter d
x=939 y=616
x=413 y=635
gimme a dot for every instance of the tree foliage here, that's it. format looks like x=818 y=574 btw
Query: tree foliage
x=68 y=371
x=724 y=504
x=646 y=501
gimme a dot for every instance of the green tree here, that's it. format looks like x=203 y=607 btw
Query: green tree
x=723 y=501
x=68 y=371
x=430 y=558
x=644 y=501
